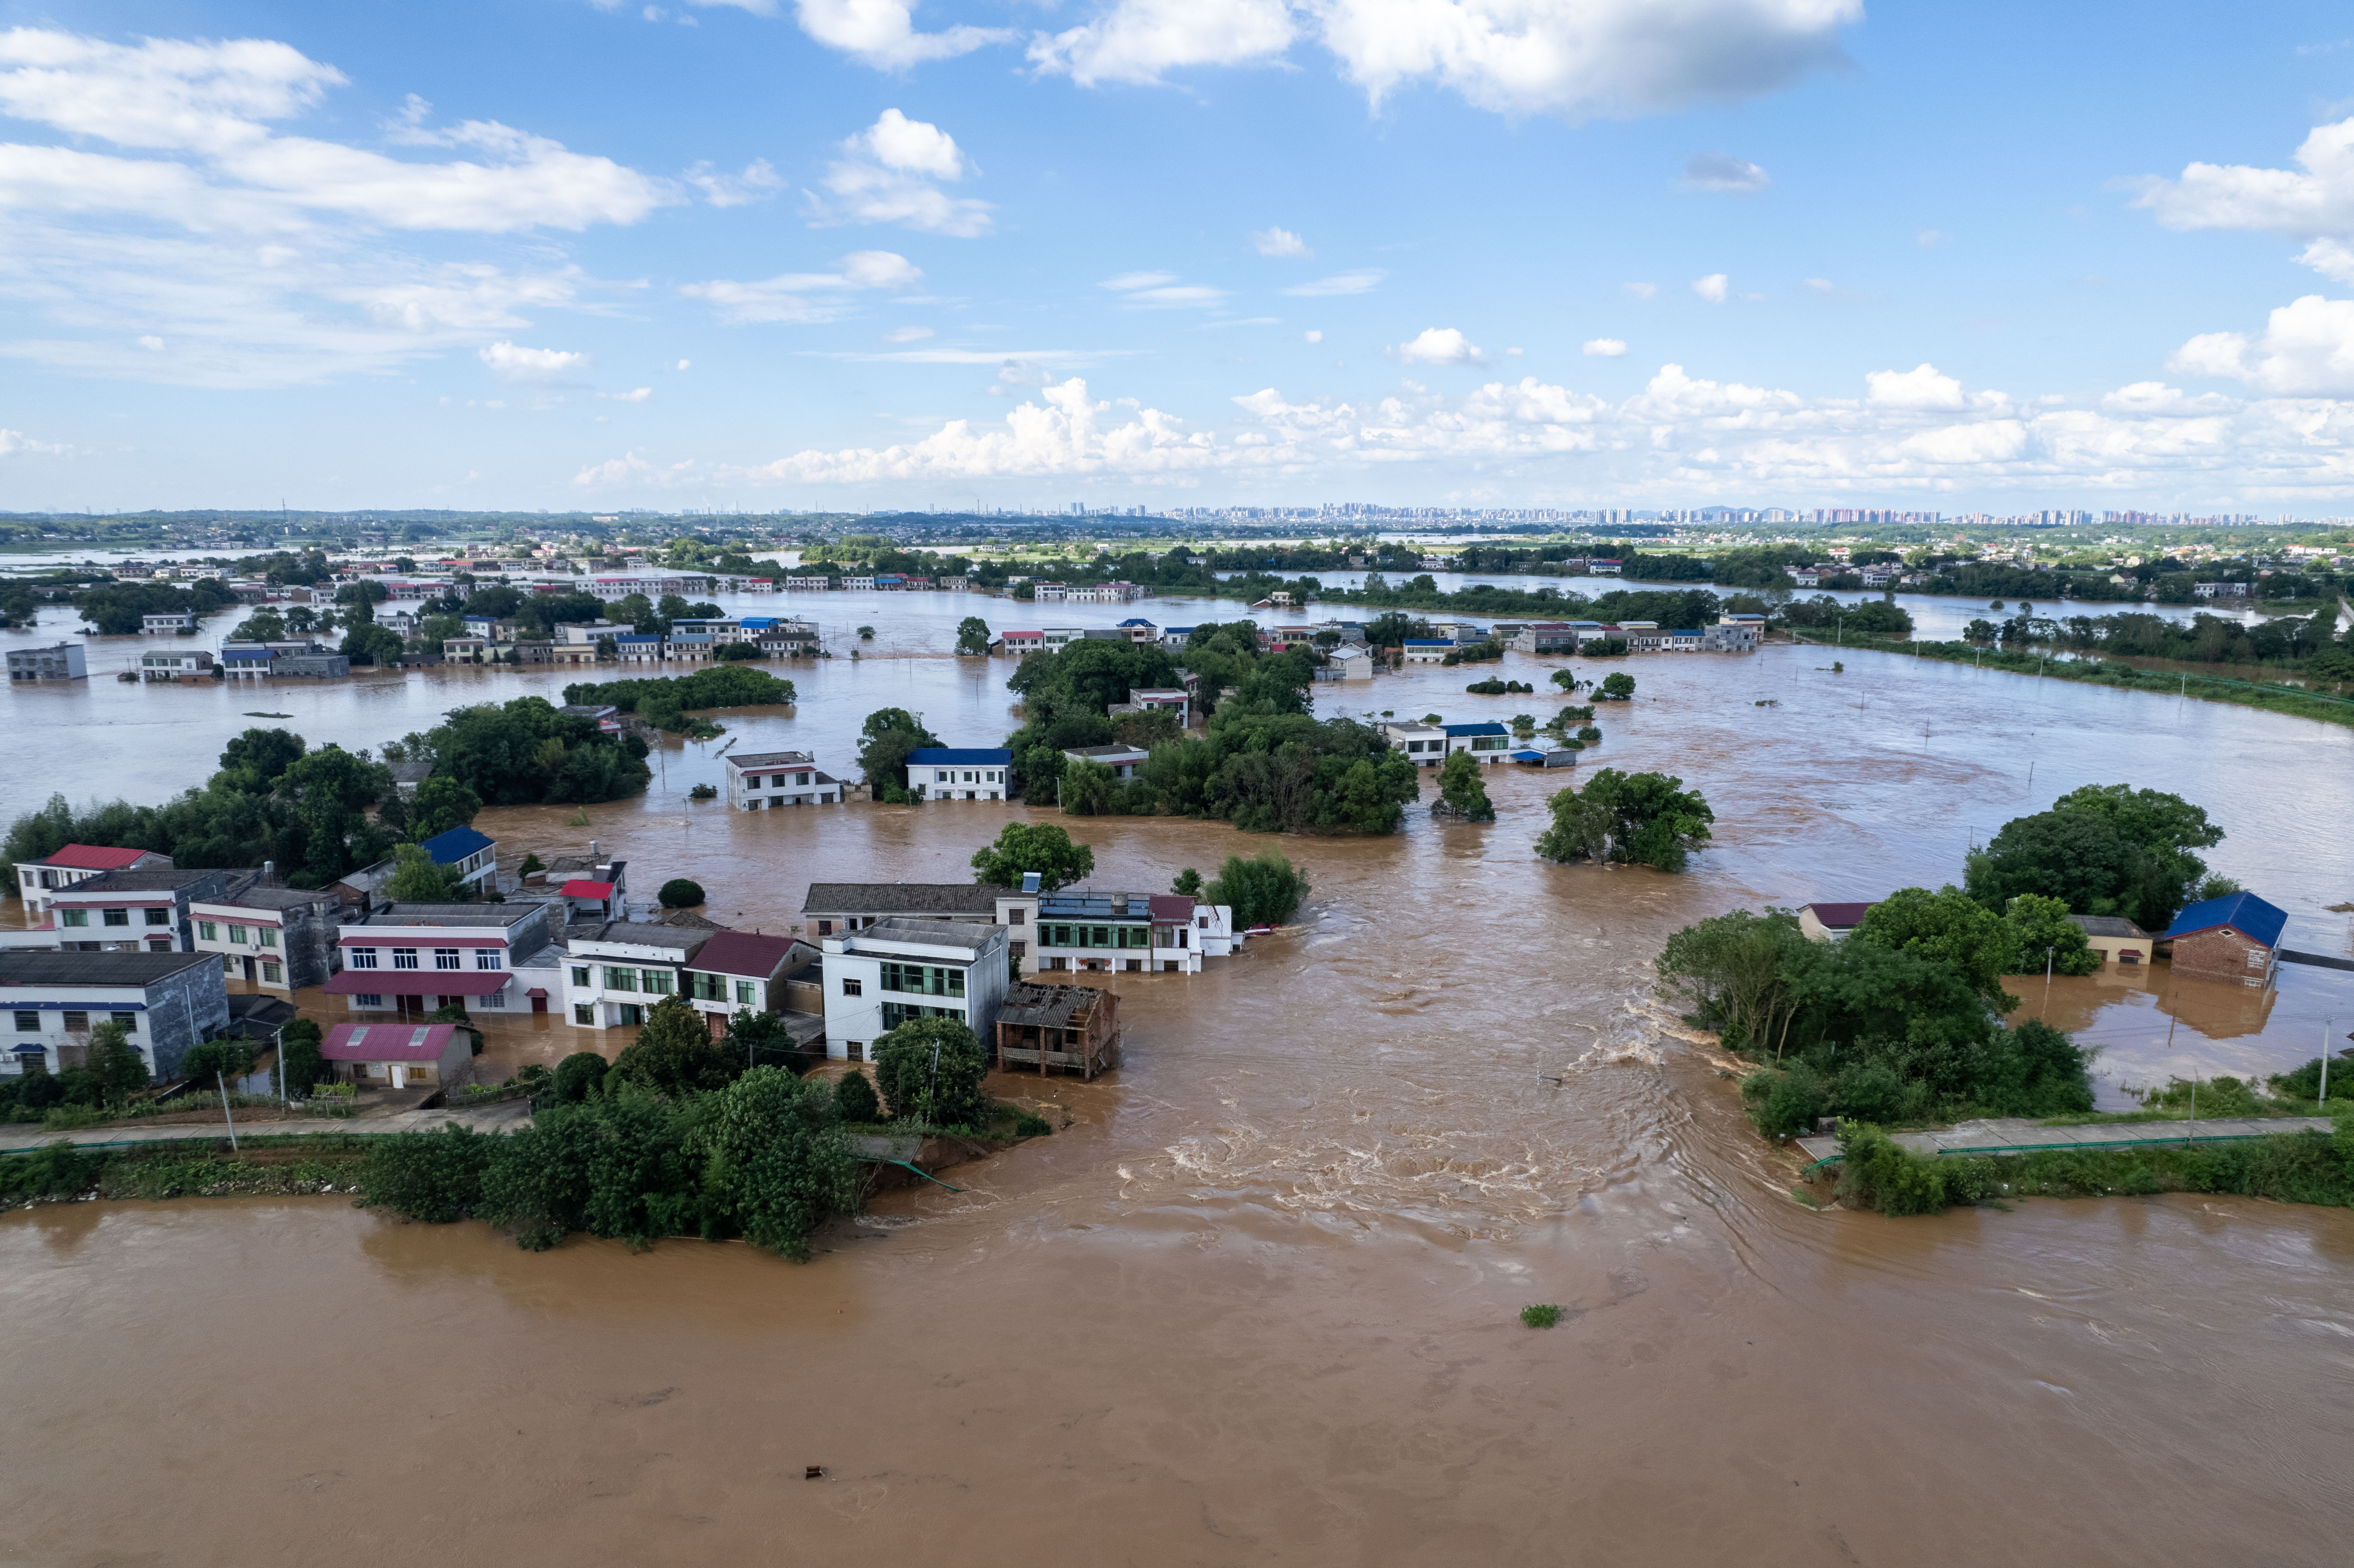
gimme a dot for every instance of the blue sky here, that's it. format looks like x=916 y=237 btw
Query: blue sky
x=817 y=253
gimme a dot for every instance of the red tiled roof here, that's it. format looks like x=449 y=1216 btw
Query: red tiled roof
x=580 y=887
x=92 y=857
x=417 y=982
x=1173 y=907
x=386 y=1042
x=741 y=953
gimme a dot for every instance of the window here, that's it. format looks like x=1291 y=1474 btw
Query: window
x=584 y=1013
x=236 y=934
x=895 y=1013
x=855 y=1050
x=657 y=982
x=207 y=931
x=73 y=916
x=368 y=999
x=29 y=1023
x=1018 y=949
x=129 y=1021
x=853 y=988
x=404 y=957
x=445 y=957
x=117 y=917
x=273 y=971
x=743 y=993
x=77 y=1022
x=268 y=936
x=487 y=958
x=580 y=974
x=620 y=979
x=361 y=958
x=159 y=917
x=1016 y=916
x=825 y=927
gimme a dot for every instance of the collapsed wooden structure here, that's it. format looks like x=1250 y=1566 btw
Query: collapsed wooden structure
x=1074 y=1028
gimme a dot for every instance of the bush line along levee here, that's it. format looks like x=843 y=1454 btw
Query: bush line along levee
x=1891 y=1015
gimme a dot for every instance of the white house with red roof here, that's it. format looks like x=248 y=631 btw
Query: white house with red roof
x=737 y=971
x=37 y=879
x=587 y=898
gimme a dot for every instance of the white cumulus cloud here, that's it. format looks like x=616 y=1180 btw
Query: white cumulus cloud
x=759 y=182
x=2306 y=350
x=1278 y=242
x=1711 y=288
x=807 y=297
x=882 y=33
x=1136 y=41
x=1585 y=59
x=512 y=362
x=1919 y=388
x=1312 y=335
x=1605 y=347
x=2313 y=201
x=1440 y=345
x=891 y=172
x=1724 y=174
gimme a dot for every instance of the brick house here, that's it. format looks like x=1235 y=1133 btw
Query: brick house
x=2232 y=937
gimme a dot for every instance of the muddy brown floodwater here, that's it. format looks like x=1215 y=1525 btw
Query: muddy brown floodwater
x=1259 y=1302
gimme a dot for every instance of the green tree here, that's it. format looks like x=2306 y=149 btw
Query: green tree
x=1948 y=925
x=256 y=760
x=1264 y=889
x=209 y=1062
x=114 y=1065
x=2034 y=925
x=755 y=1037
x=885 y=741
x=417 y=880
x=1041 y=847
x=674 y=1054
x=855 y=1100
x=367 y=643
x=866 y=634
x=300 y=1068
x=778 y=1165
x=931 y=1069
x=435 y=1178
x=1644 y=819
x=1188 y=883
x=1566 y=679
x=1088 y=787
x=1618 y=685
x=438 y=805
x=679 y=893
x=1733 y=971
x=1461 y=790
x=2080 y=858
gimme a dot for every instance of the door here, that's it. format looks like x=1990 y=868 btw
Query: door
x=539 y=1004
x=249 y=971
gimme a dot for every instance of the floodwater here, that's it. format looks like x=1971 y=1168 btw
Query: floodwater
x=1257 y=1301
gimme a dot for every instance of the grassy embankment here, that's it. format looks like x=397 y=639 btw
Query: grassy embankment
x=2294 y=701
x=1875 y=1172
x=184 y=1167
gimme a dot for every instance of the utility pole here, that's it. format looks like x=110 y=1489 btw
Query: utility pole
x=2321 y=1101
x=220 y=1080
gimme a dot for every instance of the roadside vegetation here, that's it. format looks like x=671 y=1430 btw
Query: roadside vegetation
x=666 y=703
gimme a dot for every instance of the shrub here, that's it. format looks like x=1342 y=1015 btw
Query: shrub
x=433 y=1177
x=679 y=893
x=674 y=1054
x=1264 y=890
x=53 y=1171
x=209 y=1061
x=1030 y=1125
x=855 y=1100
x=778 y=1165
x=1541 y=1316
x=578 y=1075
x=704 y=793
x=1188 y=883
x=300 y=1067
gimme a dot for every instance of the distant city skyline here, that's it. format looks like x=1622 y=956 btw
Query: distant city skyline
x=834 y=256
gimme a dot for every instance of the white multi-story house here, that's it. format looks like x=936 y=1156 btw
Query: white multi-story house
x=1139 y=933
x=961 y=773
x=37 y=880
x=179 y=664
x=613 y=977
x=169 y=621
x=1424 y=744
x=136 y=910
x=770 y=781
x=411 y=958
x=59 y=661
x=279 y=938
x=897 y=970
x=166 y=1002
x=1427 y=650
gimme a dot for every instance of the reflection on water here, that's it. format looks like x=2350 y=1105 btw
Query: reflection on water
x=1258 y=1300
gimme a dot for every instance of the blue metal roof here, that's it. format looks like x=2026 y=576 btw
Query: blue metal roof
x=449 y=848
x=1430 y=642
x=959 y=757
x=2243 y=912
x=1490 y=727
x=1136 y=621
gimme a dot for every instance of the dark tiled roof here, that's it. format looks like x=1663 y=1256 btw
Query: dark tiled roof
x=976 y=899
x=97 y=969
x=146 y=879
x=1839 y=916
